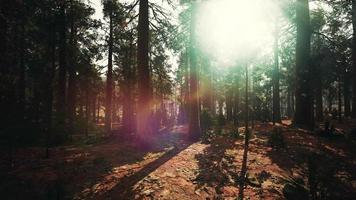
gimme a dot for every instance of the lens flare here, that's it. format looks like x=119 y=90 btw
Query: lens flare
x=230 y=30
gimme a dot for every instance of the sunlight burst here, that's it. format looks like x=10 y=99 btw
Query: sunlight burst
x=230 y=30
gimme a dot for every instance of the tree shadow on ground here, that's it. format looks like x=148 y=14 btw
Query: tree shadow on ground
x=322 y=174
x=79 y=171
x=172 y=143
x=216 y=166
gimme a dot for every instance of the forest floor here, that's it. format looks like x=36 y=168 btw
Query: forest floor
x=178 y=169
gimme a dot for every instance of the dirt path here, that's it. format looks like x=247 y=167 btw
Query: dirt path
x=178 y=169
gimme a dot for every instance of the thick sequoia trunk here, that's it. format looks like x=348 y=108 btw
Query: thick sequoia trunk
x=109 y=81
x=353 y=113
x=303 y=113
x=194 y=117
x=276 y=116
x=144 y=84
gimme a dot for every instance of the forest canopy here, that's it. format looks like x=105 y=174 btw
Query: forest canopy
x=81 y=72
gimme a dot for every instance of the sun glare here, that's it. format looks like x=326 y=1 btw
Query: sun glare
x=230 y=30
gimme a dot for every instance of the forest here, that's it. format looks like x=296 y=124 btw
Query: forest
x=178 y=99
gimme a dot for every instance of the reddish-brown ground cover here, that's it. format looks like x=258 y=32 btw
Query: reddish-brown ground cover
x=178 y=169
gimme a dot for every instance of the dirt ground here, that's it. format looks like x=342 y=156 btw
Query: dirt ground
x=178 y=169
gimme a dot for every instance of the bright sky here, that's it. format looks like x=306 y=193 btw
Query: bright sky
x=231 y=30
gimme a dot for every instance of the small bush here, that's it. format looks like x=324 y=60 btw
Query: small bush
x=231 y=130
x=276 y=139
x=206 y=120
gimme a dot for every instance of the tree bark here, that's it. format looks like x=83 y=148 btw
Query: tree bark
x=49 y=77
x=276 y=116
x=109 y=80
x=319 y=98
x=353 y=112
x=144 y=131
x=347 y=82
x=236 y=103
x=128 y=116
x=61 y=94
x=194 y=117
x=72 y=93
x=229 y=104
x=303 y=113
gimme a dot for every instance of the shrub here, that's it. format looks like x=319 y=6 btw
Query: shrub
x=206 y=120
x=276 y=139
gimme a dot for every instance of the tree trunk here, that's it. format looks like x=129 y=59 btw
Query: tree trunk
x=144 y=131
x=339 y=100
x=303 y=113
x=276 y=95
x=49 y=77
x=109 y=81
x=127 y=115
x=72 y=74
x=229 y=104
x=353 y=113
x=194 y=117
x=347 y=82
x=236 y=103
x=87 y=103
x=61 y=94
x=319 y=98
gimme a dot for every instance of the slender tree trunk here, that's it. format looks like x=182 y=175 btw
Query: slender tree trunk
x=87 y=105
x=49 y=85
x=319 y=98
x=22 y=81
x=276 y=116
x=353 y=112
x=194 y=118
x=347 y=82
x=303 y=113
x=186 y=87
x=229 y=104
x=247 y=135
x=236 y=103
x=93 y=107
x=61 y=94
x=109 y=81
x=339 y=92
x=144 y=130
x=72 y=74
x=289 y=102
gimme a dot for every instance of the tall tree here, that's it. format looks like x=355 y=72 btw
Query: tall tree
x=144 y=82
x=109 y=7
x=275 y=78
x=303 y=113
x=194 y=117
x=353 y=112
x=62 y=74
x=72 y=68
